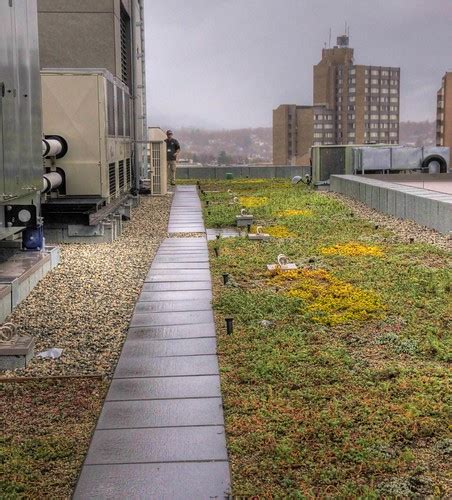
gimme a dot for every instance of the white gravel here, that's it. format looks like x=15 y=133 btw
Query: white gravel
x=404 y=230
x=85 y=304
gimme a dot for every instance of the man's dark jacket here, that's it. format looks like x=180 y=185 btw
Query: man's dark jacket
x=172 y=147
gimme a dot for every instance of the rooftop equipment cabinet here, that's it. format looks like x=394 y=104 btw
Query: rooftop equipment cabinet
x=91 y=110
x=105 y=34
x=157 y=161
x=20 y=117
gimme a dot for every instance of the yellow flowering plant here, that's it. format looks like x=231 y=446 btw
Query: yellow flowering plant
x=330 y=300
x=294 y=213
x=279 y=232
x=352 y=250
x=253 y=201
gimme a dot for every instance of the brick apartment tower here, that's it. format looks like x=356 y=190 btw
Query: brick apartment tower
x=353 y=104
x=444 y=112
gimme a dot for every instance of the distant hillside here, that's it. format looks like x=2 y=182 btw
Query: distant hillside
x=418 y=133
x=255 y=144
x=202 y=145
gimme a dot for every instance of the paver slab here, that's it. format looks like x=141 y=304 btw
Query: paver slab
x=156 y=278
x=160 y=413
x=171 y=332
x=179 y=251
x=176 y=295
x=177 y=286
x=189 y=274
x=172 y=305
x=206 y=386
x=130 y=366
x=189 y=241
x=195 y=480
x=176 y=444
x=181 y=258
x=179 y=265
x=170 y=347
x=171 y=318
x=185 y=229
x=185 y=246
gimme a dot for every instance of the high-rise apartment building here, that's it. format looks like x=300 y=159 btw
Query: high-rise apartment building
x=293 y=134
x=444 y=112
x=353 y=104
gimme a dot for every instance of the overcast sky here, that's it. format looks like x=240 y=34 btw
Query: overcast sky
x=228 y=63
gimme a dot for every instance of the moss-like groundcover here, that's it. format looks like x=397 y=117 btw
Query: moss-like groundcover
x=335 y=380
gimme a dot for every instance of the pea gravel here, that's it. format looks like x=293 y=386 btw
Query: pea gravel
x=85 y=304
x=404 y=230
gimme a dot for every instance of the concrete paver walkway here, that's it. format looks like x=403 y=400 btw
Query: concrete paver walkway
x=161 y=431
x=186 y=212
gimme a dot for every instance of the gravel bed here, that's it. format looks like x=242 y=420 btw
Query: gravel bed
x=85 y=304
x=404 y=230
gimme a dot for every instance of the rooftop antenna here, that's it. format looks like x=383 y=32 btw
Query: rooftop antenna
x=329 y=43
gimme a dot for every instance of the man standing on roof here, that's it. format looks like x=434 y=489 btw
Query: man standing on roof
x=172 y=152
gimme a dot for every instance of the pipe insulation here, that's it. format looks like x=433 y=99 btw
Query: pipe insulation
x=51 y=147
x=54 y=146
x=51 y=181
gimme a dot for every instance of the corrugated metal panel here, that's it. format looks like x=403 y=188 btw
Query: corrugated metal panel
x=20 y=106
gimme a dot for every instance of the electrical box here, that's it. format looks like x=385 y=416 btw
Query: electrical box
x=20 y=113
x=91 y=110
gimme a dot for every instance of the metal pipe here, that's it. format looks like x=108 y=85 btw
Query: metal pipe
x=139 y=123
x=51 y=181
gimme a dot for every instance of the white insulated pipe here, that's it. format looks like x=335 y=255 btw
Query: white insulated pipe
x=51 y=147
x=51 y=181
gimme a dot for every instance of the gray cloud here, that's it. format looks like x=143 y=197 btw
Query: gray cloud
x=228 y=63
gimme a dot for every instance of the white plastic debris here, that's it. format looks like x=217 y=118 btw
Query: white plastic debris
x=53 y=353
x=266 y=323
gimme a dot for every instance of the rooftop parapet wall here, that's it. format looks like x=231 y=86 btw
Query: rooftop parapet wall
x=427 y=208
x=244 y=172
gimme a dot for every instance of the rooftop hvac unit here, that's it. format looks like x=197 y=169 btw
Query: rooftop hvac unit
x=157 y=161
x=20 y=117
x=91 y=110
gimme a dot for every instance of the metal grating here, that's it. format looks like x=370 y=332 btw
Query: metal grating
x=111 y=108
x=156 y=168
x=127 y=114
x=129 y=172
x=120 y=104
x=121 y=175
x=112 y=179
x=125 y=46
